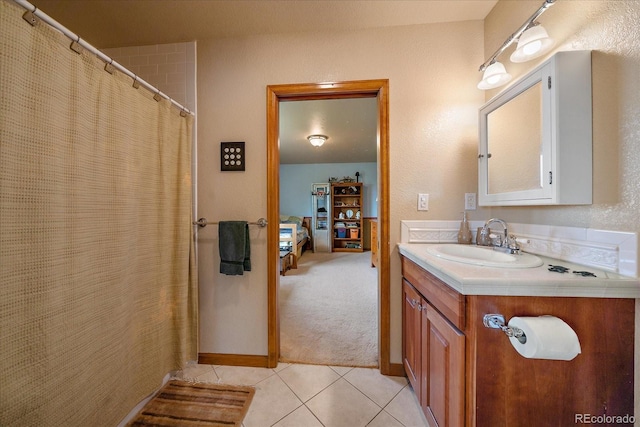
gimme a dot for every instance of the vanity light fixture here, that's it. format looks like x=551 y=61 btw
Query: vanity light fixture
x=495 y=74
x=317 y=140
x=534 y=42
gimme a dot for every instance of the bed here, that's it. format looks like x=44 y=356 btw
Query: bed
x=294 y=234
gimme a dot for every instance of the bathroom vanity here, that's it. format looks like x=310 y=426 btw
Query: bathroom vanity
x=465 y=374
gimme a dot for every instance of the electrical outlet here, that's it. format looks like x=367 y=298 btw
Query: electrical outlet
x=470 y=201
x=423 y=202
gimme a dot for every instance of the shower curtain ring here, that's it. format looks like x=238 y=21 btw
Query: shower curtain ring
x=31 y=17
x=136 y=83
x=108 y=67
x=157 y=96
x=76 y=46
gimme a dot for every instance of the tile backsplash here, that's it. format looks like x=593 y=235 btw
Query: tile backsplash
x=614 y=251
x=169 y=67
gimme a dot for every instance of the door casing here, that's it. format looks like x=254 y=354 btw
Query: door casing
x=334 y=90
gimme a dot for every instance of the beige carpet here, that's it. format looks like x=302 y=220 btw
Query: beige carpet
x=329 y=310
x=182 y=404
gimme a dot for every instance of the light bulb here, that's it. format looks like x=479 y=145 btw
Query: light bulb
x=493 y=79
x=531 y=48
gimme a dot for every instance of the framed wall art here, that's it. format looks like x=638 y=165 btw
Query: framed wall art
x=232 y=156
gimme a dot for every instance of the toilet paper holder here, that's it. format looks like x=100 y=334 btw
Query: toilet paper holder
x=496 y=321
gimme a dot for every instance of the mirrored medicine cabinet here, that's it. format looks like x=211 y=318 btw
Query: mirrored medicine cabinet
x=535 y=143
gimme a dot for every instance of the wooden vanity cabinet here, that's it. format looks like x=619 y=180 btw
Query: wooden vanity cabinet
x=411 y=324
x=465 y=374
x=442 y=380
x=434 y=346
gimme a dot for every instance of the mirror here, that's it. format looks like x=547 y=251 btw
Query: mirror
x=514 y=143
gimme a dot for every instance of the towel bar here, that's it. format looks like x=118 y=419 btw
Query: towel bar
x=202 y=222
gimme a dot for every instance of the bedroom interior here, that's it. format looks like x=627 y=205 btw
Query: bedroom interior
x=328 y=263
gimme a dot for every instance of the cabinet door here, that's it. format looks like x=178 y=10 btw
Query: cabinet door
x=536 y=139
x=442 y=394
x=411 y=335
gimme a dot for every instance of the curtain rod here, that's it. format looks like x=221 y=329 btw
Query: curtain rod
x=547 y=4
x=108 y=60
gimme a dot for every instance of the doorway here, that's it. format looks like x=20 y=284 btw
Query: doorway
x=378 y=89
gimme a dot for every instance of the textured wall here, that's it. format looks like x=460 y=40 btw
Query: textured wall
x=432 y=70
x=609 y=29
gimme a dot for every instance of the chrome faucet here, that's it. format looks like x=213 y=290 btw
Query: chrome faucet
x=503 y=223
x=504 y=243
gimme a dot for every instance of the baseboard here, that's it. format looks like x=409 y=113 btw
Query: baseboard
x=233 y=360
x=396 y=370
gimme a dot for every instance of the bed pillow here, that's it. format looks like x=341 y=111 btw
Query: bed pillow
x=291 y=219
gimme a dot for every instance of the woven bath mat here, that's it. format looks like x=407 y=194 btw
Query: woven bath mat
x=181 y=403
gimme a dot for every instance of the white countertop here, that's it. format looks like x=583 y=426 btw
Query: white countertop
x=538 y=281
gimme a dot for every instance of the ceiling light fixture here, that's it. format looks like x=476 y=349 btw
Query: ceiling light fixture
x=535 y=36
x=317 y=140
x=534 y=42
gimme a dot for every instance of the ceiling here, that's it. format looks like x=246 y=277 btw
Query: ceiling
x=117 y=23
x=349 y=123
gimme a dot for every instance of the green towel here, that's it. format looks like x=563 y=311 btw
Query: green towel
x=235 y=249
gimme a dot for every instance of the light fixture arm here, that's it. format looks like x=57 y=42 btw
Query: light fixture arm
x=514 y=37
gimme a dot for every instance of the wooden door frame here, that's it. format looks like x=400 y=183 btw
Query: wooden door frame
x=336 y=90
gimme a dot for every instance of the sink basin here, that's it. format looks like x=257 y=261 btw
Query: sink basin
x=479 y=255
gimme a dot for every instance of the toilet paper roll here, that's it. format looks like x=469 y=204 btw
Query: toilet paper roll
x=548 y=337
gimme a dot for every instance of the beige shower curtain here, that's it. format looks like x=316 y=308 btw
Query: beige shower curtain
x=97 y=298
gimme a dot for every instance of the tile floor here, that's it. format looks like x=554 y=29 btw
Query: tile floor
x=295 y=395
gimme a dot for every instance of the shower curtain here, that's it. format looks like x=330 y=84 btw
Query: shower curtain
x=97 y=294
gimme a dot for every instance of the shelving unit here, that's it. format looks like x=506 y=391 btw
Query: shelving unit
x=346 y=218
x=320 y=221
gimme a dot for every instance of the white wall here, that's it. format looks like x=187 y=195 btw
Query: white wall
x=296 y=181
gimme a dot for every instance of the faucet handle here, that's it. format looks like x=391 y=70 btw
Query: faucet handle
x=496 y=239
x=514 y=242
